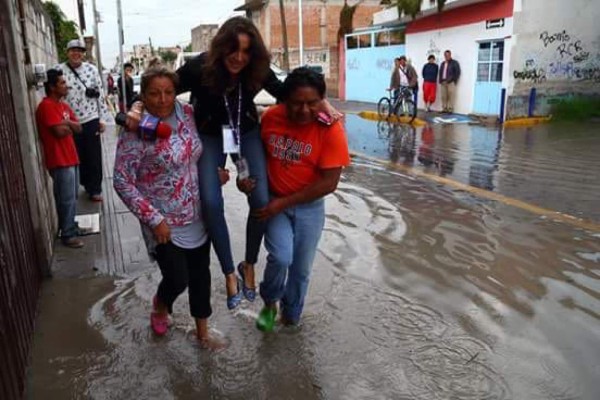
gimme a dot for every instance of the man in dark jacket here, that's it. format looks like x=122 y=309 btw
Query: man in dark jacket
x=449 y=75
x=125 y=104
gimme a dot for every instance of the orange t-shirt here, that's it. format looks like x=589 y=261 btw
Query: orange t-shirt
x=297 y=153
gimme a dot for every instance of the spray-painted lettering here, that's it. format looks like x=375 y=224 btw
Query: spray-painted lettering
x=354 y=64
x=533 y=75
x=547 y=38
x=385 y=64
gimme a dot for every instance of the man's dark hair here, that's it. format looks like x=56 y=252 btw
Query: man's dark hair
x=431 y=56
x=402 y=58
x=52 y=76
x=128 y=65
x=303 y=77
x=448 y=51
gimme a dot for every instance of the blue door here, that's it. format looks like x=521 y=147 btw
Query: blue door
x=488 y=85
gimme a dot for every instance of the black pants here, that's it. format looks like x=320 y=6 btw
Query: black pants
x=89 y=149
x=181 y=269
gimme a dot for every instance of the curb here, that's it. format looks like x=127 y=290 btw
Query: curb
x=373 y=116
x=526 y=121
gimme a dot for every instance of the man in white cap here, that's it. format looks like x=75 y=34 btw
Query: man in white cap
x=86 y=98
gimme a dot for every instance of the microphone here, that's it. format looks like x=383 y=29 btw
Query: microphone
x=150 y=127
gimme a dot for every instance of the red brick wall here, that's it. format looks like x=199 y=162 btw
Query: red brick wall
x=311 y=15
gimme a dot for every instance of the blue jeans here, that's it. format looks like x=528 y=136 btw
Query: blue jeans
x=211 y=195
x=65 y=182
x=291 y=241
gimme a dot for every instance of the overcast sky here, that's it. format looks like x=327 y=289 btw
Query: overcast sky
x=167 y=22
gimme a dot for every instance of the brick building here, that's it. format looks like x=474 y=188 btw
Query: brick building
x=321 y=21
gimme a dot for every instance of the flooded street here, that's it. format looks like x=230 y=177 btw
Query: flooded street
x=419 y=290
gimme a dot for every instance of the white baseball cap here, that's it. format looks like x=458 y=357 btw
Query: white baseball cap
x=76 y=44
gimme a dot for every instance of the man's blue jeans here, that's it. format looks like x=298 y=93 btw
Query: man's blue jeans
x=291 y=240
x=211 y=195
x=66 y=183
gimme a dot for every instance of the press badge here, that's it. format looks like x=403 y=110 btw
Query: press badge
x=229 y=143
x=243 y=172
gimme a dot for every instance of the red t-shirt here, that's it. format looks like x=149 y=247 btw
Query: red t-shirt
x=58 y=151
x=297 y=153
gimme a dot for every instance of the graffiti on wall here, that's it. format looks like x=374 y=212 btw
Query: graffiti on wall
x=385 y=64
x=564 y=57
x=433 y=50
x=353 y=64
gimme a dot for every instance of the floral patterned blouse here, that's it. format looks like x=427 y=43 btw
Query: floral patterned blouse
x=158 y=180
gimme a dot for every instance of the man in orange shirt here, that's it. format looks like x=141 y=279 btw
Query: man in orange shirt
x=305 y=157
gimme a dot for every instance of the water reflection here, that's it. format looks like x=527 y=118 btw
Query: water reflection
x=552 y=166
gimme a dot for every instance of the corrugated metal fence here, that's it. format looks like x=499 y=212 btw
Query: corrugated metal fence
x=19 y=273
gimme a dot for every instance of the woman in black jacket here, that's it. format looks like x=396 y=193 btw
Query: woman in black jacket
x=223 y=83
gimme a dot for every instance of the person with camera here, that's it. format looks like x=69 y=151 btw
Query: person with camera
x=86 y=98
x=57 y=124
x=156 y=176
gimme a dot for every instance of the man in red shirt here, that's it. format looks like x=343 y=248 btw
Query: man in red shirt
x=56 y=125
x=305 y=158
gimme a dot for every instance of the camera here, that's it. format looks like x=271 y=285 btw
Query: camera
x=92 y=93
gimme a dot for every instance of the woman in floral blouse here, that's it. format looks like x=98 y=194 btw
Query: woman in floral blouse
x=158 y=181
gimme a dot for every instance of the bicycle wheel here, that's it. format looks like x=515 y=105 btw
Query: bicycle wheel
x=406 y=108
x=383 y=108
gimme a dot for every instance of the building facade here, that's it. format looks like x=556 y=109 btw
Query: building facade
x=320 y=25
x=503 y=46
x=202 y=36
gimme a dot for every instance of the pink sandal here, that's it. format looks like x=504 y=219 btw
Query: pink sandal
x=159 y=322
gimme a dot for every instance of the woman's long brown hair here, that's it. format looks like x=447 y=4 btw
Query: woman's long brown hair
x=215 y=74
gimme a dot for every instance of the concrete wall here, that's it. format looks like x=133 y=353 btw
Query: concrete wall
x=202 y=36
x=40 y=41
x=557 y=47
x=368 y=71
x=463 y=41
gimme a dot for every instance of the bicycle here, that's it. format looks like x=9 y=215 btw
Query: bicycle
x=401 y=105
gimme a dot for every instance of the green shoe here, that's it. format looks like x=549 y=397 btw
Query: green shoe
x=266 y=319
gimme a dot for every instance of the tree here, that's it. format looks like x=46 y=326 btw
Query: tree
x=188 y=48
x=346 y=18
x=411 y=7
x=286 y=50
x=64 y=29
x=168 y=56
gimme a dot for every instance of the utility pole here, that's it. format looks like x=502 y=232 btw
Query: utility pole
x=300 y=34
x=121 y=42
x=97 y=36
x=286 y=50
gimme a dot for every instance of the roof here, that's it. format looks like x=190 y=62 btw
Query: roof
x=251 y=5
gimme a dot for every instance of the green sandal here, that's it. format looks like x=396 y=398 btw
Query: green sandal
x=266 y=319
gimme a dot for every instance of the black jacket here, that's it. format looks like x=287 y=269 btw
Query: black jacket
x=453 y=72
x=209 y=108
x=128 y=90
x=430 y=72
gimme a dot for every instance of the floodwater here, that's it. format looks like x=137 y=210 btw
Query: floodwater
x=419 y=290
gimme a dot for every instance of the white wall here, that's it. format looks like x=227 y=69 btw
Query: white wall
x=557 y=47
x=463 y=41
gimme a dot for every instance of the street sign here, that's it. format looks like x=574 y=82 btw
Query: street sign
x=494 y=23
